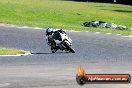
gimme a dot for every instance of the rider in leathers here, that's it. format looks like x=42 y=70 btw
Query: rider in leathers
x=53 y=34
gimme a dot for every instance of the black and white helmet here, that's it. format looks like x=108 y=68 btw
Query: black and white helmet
x=49 y=31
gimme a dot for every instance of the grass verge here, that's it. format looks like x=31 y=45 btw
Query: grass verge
x=64 y=14
x=6 y=51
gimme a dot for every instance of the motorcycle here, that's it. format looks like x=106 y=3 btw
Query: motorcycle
x=61 y=41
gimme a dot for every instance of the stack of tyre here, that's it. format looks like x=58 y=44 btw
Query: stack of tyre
x=105 y=25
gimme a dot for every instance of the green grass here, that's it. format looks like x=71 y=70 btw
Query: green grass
x=64 y=14
x=6 y=51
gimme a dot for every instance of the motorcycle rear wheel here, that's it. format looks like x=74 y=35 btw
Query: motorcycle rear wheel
x=53 y=47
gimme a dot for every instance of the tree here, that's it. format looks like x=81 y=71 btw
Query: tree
x=109 y=1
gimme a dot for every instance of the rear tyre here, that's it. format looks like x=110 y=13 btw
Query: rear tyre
x=53 y=50
x=69 y=48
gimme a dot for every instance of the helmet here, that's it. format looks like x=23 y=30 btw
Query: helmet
x=49 y=31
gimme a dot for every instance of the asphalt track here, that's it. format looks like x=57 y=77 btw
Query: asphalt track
x=98 y=53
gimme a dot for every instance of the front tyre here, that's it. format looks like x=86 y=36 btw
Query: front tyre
x=69 y=48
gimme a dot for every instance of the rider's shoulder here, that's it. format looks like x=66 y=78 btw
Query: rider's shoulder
x=61 y=31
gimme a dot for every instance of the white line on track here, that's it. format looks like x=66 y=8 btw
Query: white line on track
x=24 y=27
x=37 y=28
x=127 y=36
x=73 y=31
x=118 y=34
x=97 y=32
x=4 y=84
x=108 y=33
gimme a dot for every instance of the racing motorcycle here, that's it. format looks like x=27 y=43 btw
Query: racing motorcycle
x=61 y=41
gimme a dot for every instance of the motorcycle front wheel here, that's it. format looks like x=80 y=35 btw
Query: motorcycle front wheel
x=69 y=48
